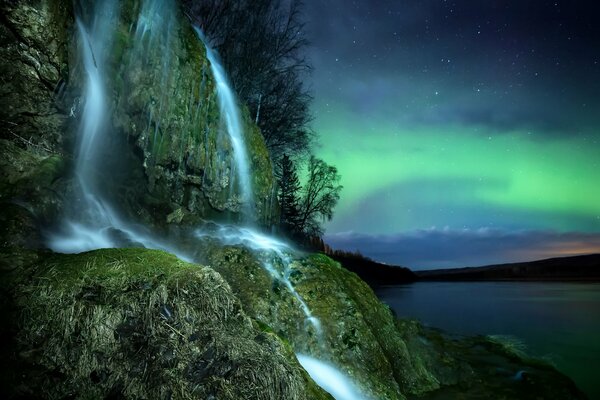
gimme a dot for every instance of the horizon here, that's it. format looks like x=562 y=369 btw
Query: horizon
x=465 y=134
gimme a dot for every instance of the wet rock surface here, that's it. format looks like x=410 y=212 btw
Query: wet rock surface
x=165 y=148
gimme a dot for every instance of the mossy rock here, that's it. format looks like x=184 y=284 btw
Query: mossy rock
x=136 y=323
x=481 y=367
x=165 y=104
x=32 y=191
x=358 y=333
x=166 y=148
x=34 y=68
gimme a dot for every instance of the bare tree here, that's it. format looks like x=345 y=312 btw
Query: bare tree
x=319 y=196
x=262 y=44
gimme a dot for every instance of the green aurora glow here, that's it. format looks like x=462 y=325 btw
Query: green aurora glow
x=477 y=119
x=514 y=171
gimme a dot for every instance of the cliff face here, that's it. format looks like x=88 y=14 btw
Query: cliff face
x=164 y=101
x=35 y=68
x=34 y=117
x=166 y=157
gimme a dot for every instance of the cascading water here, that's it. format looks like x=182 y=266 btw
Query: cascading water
x=154 y=27
x=96 y=224
x=268 y=250
x=89 y=231
x=329 y=378
x=233 y=122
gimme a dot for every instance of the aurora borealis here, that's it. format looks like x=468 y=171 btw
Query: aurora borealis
x=466 y=132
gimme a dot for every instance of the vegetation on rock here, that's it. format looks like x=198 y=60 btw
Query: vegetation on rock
x=136 y=323
x=262 y=43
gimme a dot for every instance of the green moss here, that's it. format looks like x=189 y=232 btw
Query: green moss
x=354 y=323
x=32 y=186
x=138 y=323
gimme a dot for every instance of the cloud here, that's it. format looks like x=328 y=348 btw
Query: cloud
x=387 y=60
x=443 y=247
x=458 y=202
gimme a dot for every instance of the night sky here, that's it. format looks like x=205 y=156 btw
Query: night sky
x=466 y=132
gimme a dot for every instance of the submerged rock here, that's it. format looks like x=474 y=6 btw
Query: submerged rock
x=483 y=367
x=136 y=323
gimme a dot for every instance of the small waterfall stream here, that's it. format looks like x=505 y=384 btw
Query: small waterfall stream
x=275 y=257
x=329 y=378
x=92 y=227
x=231 y=114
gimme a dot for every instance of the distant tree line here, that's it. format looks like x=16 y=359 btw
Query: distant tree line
x=370 y=271
x=262 y=44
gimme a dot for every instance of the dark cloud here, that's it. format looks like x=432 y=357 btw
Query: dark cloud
x=501 y=64
x=443 y=248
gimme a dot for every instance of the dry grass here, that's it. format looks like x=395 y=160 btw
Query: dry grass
x=142 y=324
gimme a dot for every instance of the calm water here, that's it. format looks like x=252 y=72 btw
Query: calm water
x=557 y=321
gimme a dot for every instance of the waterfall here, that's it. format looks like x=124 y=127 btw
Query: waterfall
x=231 y=115
x=329 y=378
x=155 y=23
x=275 y=257
x=90 y=229
x=95 y=224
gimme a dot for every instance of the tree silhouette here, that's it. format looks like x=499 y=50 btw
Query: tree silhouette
x=319 y=197
x=262 y=45
x=289 y=186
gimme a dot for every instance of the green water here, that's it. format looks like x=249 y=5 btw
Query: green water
x=556 y=321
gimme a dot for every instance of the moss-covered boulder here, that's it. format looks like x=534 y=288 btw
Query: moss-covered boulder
x=136 y=323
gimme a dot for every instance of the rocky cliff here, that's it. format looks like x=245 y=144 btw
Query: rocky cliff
x=165 y=157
